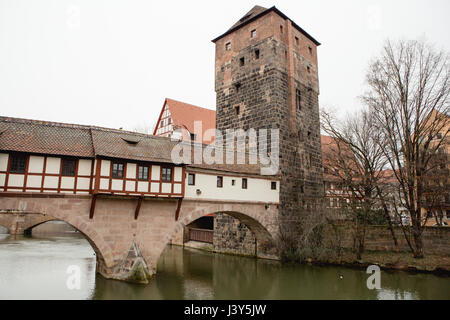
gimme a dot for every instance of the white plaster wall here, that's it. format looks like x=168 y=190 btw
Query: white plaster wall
x=83 y=183
x=3 y=161
x=154 y=187
x=177 y=188
x=105 y=168
x=104 y=184
x=36 y=164
x=177 y=174
x=131 y=171
x=51 y=182
x=130 y=185
x=16 y=180
x=67 y=182
x=34 y=181
x=156 y=172
x=117 y=185
x=142 y=186
x=84 y=167
x=166 y=188
x=53 y=165
x=2 y=179
x=257 y=189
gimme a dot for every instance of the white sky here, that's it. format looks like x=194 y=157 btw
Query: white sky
x=112 y=62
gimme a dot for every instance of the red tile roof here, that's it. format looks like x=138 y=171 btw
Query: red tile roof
x=184 y=115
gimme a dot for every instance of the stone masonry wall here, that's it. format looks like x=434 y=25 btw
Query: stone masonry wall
x=378 y=238
x=232 y=237
x=261 y=89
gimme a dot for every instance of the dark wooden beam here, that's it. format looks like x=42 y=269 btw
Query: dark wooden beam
x=138 y=208
x=177 y=213
x=91 y=213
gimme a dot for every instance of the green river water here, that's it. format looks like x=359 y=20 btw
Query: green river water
x=36 y=267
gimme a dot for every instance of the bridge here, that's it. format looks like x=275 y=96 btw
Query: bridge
x=127 y=202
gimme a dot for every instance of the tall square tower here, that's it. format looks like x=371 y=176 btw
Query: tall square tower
x=266 y=77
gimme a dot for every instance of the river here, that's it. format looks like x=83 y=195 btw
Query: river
x=36 y=267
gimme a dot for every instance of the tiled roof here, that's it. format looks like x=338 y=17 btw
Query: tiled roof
x=61 y=139
x=252 y=13
x=45 y=137
x=185 y=114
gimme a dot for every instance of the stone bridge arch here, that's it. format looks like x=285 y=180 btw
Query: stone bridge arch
x=260 y=218
x=127 y=245
x=27 y=213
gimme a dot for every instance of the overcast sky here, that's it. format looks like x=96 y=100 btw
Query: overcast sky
x=113 y=62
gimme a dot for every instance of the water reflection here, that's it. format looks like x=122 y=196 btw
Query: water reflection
x=35 y=268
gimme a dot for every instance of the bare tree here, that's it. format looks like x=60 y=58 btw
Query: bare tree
x=357 y=162
x=408 y=95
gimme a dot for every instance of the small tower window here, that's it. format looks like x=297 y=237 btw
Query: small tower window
x=308 y=68
x=253 y=34
x=228 y=46
x=244 y=183
x=191 y=179
x=273 y=185
x=242 y=61
x=298 y=99
x=193 y=136
x=281 y=29
x=237 y=110
x=257 y=54
x=237 y=86
x=296 y=41
x=310 y=50
x=219 y=182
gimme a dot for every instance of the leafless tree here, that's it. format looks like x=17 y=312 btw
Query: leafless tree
x=357 y=163
x=408 y=96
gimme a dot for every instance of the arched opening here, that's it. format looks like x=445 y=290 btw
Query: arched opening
x=229 y=232
x=51 y=227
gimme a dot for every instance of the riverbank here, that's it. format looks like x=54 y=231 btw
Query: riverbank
x=404 y=261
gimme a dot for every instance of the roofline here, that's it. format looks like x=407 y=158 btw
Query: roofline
x=317 y=43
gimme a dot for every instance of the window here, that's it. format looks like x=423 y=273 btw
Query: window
x=253 y=33
x=257 y=54
x=117 y=170
x=298 y=99
x=228 y=46
x=18 y=163
x=281 y=29
x=242 y=61
x=142 y=173
x=244 y=183
x=308 y=68
x=237 y=86
x=191 y=179
x=68 y=167
x=233 y=182
x=219 y=182
x=273 y=185
x=237 y=110
x=166 y=174
x=193 y=136
x=310 y=50
x=296 y=41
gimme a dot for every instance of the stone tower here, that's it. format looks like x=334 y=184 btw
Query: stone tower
x=266 y=76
